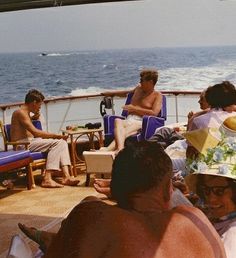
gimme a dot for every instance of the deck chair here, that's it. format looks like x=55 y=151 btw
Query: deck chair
x=149 y=124
x=98 y=162
x=11 y=160
x=38 y=158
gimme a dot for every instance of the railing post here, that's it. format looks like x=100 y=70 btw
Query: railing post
x=112 y=105
x=46 y=114
x=176 y=109
x=65 y=115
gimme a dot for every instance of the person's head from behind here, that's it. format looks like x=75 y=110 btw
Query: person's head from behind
x=221 y=95
x=34 y=100
x=148 y=78
x=202 y=101
x=138 y=168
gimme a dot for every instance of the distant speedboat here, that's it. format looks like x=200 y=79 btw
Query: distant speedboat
x=44 y=54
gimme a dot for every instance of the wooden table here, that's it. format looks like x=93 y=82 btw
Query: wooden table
x=75 y=135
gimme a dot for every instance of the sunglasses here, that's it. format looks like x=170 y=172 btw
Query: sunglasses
x=216 y=190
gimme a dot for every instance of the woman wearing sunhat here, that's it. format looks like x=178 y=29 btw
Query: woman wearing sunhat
x=213 y=178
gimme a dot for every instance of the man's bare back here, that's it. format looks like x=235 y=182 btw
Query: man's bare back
x=142 y=224
x=19 y=132
x=96 y=229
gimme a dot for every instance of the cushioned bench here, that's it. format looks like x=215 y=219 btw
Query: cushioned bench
x=38 y=158
x=10 y=160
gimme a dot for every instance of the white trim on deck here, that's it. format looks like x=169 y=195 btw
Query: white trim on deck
x=59 y=112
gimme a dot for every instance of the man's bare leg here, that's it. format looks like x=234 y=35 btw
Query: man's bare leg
x=110 y=147
x=124 y=129
x=120 y=133
x=119 y=125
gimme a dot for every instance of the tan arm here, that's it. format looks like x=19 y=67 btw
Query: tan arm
x=27 y=124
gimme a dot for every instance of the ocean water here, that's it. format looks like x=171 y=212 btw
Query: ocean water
x=85 y=72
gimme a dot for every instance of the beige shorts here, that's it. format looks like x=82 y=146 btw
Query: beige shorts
x=131 y=119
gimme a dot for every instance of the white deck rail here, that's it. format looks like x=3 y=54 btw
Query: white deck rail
x=59 y=112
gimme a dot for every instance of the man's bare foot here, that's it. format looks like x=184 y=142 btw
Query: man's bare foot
x=103 y=182
x=102 y=190
x=69 y=181
x=50 y=184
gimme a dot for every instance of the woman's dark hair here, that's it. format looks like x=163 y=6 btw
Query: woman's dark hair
x=140 y=166
x=221 y=95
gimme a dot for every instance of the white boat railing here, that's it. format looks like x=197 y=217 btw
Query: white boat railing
x=59 y=112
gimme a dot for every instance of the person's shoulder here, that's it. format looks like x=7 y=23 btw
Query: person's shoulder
x=191 y=213
x=187 y=209
x=193 y=217
x=18 y=113
x=137 y=88
x=92 y=211
x=157 y=94
x=94 y=204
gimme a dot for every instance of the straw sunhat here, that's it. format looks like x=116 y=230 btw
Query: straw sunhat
x=217 y=158
x=202 y=139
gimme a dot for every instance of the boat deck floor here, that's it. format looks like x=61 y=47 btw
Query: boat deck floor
x=40 y=207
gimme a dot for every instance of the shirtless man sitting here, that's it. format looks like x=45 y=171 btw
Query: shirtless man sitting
x=55 y=145
x=145 y=101
x=141 y=225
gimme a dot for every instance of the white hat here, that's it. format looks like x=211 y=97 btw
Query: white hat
x=217 y=155
x=218 y=161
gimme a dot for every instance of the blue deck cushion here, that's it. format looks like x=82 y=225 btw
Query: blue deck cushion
x=38 y=155
x=12 y=156
x=34 y=155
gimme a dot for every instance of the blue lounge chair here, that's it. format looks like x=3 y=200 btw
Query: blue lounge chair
x=10 y=160
x=149 y=125
x=38 y=158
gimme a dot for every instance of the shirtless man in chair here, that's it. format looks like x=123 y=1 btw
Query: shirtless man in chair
x=55 y=145
x=145 y=101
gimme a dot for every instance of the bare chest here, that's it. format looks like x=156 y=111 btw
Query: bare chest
x=143 y=100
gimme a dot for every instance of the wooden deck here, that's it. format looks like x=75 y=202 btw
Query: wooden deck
x=42 y=208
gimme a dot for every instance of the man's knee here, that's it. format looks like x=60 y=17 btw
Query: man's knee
x=63 y=143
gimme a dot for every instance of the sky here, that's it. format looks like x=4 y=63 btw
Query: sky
x=142 y=24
